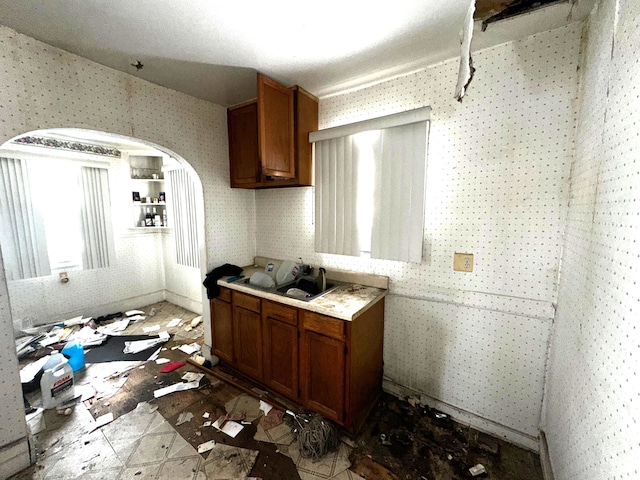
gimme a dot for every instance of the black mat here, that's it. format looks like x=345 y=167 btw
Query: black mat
x=112 y=350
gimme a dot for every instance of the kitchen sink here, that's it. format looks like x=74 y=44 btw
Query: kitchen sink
x=282 y=289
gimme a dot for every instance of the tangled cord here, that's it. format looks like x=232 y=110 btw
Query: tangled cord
x=316 y=436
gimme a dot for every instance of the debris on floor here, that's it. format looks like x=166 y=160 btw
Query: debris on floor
x=176 y=387
x=152 y=434
x=184 y=418
x=171 y=366
x=206 y=446
x=477 y=470
x=226 y=462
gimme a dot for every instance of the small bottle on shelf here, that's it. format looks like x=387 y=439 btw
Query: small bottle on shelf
x=148 y=219
x=164 y=217
x=157 y=222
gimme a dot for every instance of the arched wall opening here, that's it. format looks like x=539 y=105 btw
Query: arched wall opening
x=130 y=279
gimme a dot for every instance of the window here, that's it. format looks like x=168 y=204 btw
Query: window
x=57 y=214
x=370 y=187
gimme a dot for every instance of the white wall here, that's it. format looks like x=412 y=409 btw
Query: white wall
x=592 y=402
x=497 y=187
x=44 y=87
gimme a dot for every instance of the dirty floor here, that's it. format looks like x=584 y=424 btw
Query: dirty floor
x=159 y=437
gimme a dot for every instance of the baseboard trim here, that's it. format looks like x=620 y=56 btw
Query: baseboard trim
x=545 y=459
x=462 y=416
x=14 y=457
x=184 y=302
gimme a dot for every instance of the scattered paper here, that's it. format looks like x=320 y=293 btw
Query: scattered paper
x=102 y=420
x=196 y=321
x=87 y=391
x=135 y=318
x=229 y=427
x=138 y=346
x=192 y=377
x=176 y=387
x=115 y=327
x=205 y=447
x=88 y=337
x=162 y=361
x=190 y=349
x=154 y=356
x=206 y=415
x=29 y=372
x=265 y=407
x=174 y=323
x=152 y=328
x=133 y=312
x=105 y=389
x=207 y=424
x=184 y=417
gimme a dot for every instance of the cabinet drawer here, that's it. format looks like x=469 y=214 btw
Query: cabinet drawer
x=280 y=312
x=324 y=325
x=225 y=295
x=246 y=301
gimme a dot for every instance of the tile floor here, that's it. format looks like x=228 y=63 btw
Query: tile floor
x=147 y=441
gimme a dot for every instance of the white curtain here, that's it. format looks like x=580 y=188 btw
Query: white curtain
x=336 y=196
x=22 y=233
x=183 y=202
x=96 y=222
x=370 y=187
x=398 y=225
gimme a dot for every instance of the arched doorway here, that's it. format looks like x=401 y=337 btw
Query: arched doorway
x=137 y=273
x=124 y=229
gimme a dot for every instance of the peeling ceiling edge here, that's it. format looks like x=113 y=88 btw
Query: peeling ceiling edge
x=579 y=12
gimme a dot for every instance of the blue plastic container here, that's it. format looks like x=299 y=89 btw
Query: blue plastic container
x=75 y=351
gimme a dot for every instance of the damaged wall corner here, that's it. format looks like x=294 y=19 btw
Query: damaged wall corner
x=465 y=74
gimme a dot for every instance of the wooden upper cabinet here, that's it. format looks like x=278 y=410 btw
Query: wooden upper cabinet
x=242 y=123
x=269 y=137
x=275 y=128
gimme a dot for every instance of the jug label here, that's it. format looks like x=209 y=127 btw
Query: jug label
x=62 y=385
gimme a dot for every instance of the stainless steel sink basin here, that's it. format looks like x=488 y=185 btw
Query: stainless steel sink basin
x=331 y=285
x=282 y=289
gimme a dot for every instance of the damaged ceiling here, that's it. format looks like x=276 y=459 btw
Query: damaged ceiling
x=211 y=50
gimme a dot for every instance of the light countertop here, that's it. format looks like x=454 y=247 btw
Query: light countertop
x=346 y=302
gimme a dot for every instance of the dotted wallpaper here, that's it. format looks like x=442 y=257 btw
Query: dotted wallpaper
x=497 y=186
x=44 y=87
x=592 y=403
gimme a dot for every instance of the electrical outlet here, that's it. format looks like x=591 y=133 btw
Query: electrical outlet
x=64 y=278
x=463 y=262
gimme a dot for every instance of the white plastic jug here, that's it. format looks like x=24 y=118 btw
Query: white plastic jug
x=56 y=385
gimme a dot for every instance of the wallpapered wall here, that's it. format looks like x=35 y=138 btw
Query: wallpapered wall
x=592 y=403
x=497 y=187
x=44 y=87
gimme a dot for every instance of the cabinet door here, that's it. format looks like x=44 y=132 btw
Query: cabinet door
x=322 y=374
x=275 y=128
x=244 y=161
x=280 y=338
x=247 y=335
x=306 y=115
x=222 y=330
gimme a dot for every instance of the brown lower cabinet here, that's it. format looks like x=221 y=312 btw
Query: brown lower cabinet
x=328 y=365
